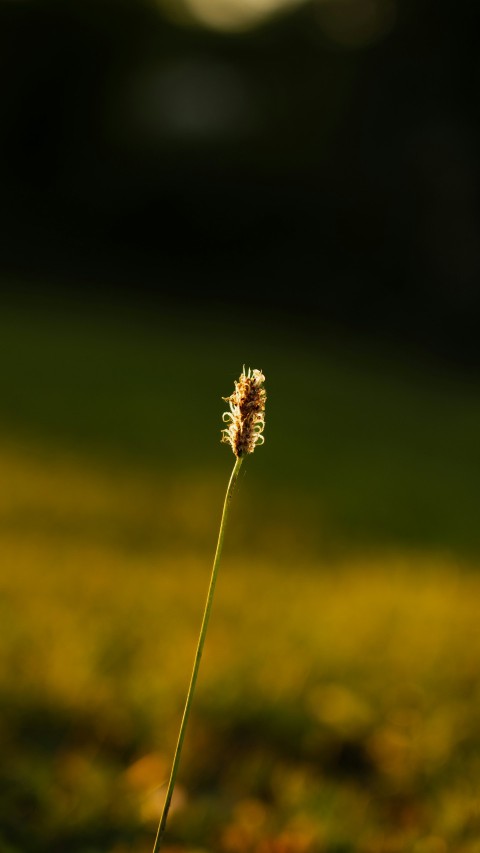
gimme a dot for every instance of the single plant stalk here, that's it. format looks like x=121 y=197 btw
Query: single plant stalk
x=245 y=421
x=198 y=654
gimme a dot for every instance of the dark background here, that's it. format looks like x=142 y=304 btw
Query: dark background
x=324 y=162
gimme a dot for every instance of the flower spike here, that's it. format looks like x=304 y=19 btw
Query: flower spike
x=246 y=416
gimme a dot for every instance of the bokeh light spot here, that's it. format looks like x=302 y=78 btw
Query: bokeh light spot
x=234 y=15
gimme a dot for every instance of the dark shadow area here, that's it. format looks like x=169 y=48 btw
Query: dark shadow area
x=313 y=164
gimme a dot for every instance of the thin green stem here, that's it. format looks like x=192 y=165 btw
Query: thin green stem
x=198 y=656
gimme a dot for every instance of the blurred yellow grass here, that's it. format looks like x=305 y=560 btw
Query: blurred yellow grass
x=337 y=705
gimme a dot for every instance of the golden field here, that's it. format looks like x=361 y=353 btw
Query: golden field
x=338 y=702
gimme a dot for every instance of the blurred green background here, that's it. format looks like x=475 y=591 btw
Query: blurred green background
x=187 y=188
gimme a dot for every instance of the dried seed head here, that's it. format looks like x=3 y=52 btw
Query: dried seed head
x=246 y=418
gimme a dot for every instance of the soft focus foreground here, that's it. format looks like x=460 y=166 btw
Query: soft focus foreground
x=337 y=707
x=338 y=702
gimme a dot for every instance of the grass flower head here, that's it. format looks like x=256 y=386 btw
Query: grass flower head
x=246 y=420
x=246 y=416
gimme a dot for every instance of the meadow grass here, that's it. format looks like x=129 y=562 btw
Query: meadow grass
x=337 y=708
